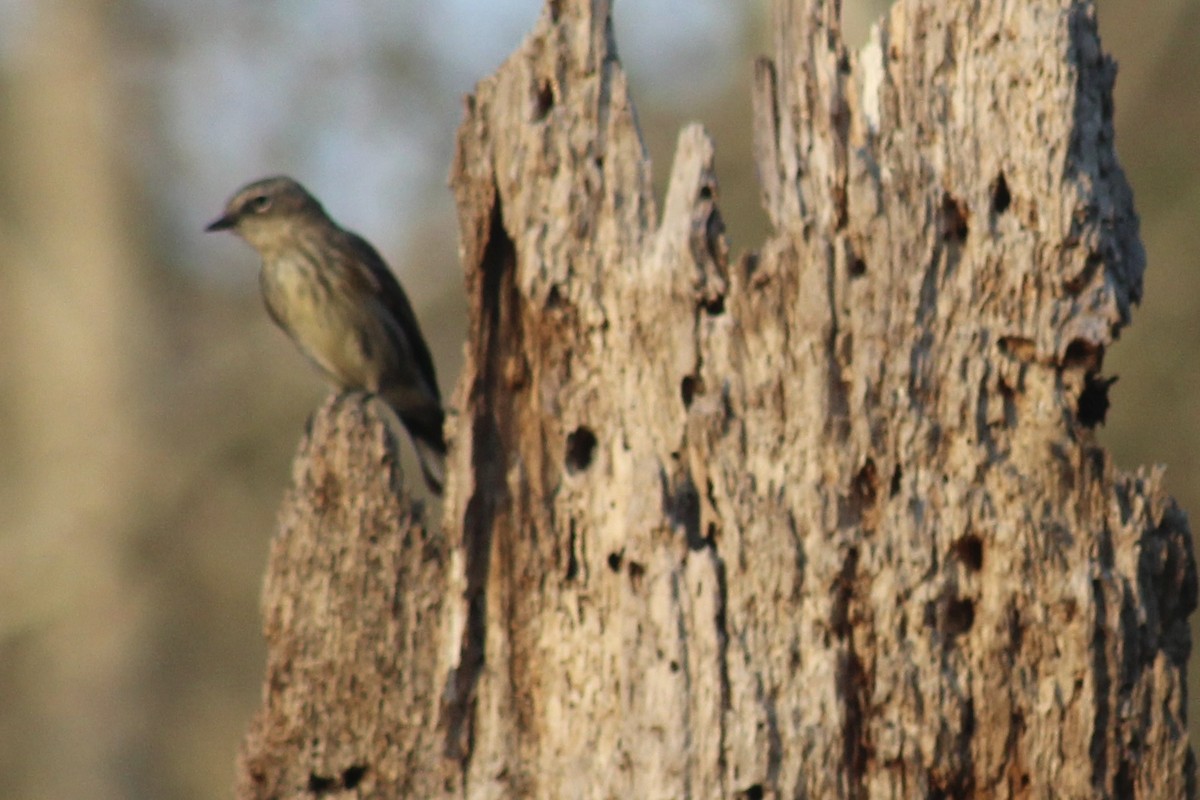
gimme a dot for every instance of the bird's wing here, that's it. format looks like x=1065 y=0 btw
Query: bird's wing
x=376 y=275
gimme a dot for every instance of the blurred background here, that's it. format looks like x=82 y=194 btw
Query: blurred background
x=148 y=409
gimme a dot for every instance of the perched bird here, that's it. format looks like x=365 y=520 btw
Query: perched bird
x=338 y=301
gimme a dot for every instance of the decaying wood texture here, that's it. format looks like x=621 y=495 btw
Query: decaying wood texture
x=826 y=520
x=352 y=619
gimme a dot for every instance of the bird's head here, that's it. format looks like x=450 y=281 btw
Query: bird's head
x=268 y=212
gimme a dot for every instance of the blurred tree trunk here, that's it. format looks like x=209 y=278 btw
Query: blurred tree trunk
x=827 y=521
x=79 y=331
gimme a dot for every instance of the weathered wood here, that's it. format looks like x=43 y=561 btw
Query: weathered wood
x=352 y=625
x=828 y=520
x=832 y=521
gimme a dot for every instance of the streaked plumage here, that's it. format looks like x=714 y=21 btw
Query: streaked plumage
x=332 y=293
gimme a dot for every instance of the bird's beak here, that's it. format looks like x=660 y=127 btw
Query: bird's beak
x=222 y=223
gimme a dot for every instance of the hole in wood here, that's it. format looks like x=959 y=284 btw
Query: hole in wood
x=636 y=571
x=1083 y=353
x=1093 y=400
x=689 y=387
x=960 y=616
x=865 y=484
x=858 y=267
x=581 y=445
x=954 y=219
x=543 y=100
x=969 y=551
x=614 y=561
x=352 y=776
x=897 y=477
x=1001 y=198
x=572 y=559
x=320 y=784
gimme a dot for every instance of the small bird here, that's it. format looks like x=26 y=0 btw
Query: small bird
x=330 y=291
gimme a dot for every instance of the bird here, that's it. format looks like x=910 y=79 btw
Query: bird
x=335 y=297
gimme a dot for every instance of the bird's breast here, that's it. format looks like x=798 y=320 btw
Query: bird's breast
x=334 y=329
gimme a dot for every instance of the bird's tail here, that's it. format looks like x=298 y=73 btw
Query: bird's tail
x=432 y=456
x=424 y=419
x=425 y=430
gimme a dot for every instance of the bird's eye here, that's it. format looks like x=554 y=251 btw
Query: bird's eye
x=259 y=204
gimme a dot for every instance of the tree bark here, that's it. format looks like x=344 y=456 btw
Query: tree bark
x=827 y=520
x=353 y=609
